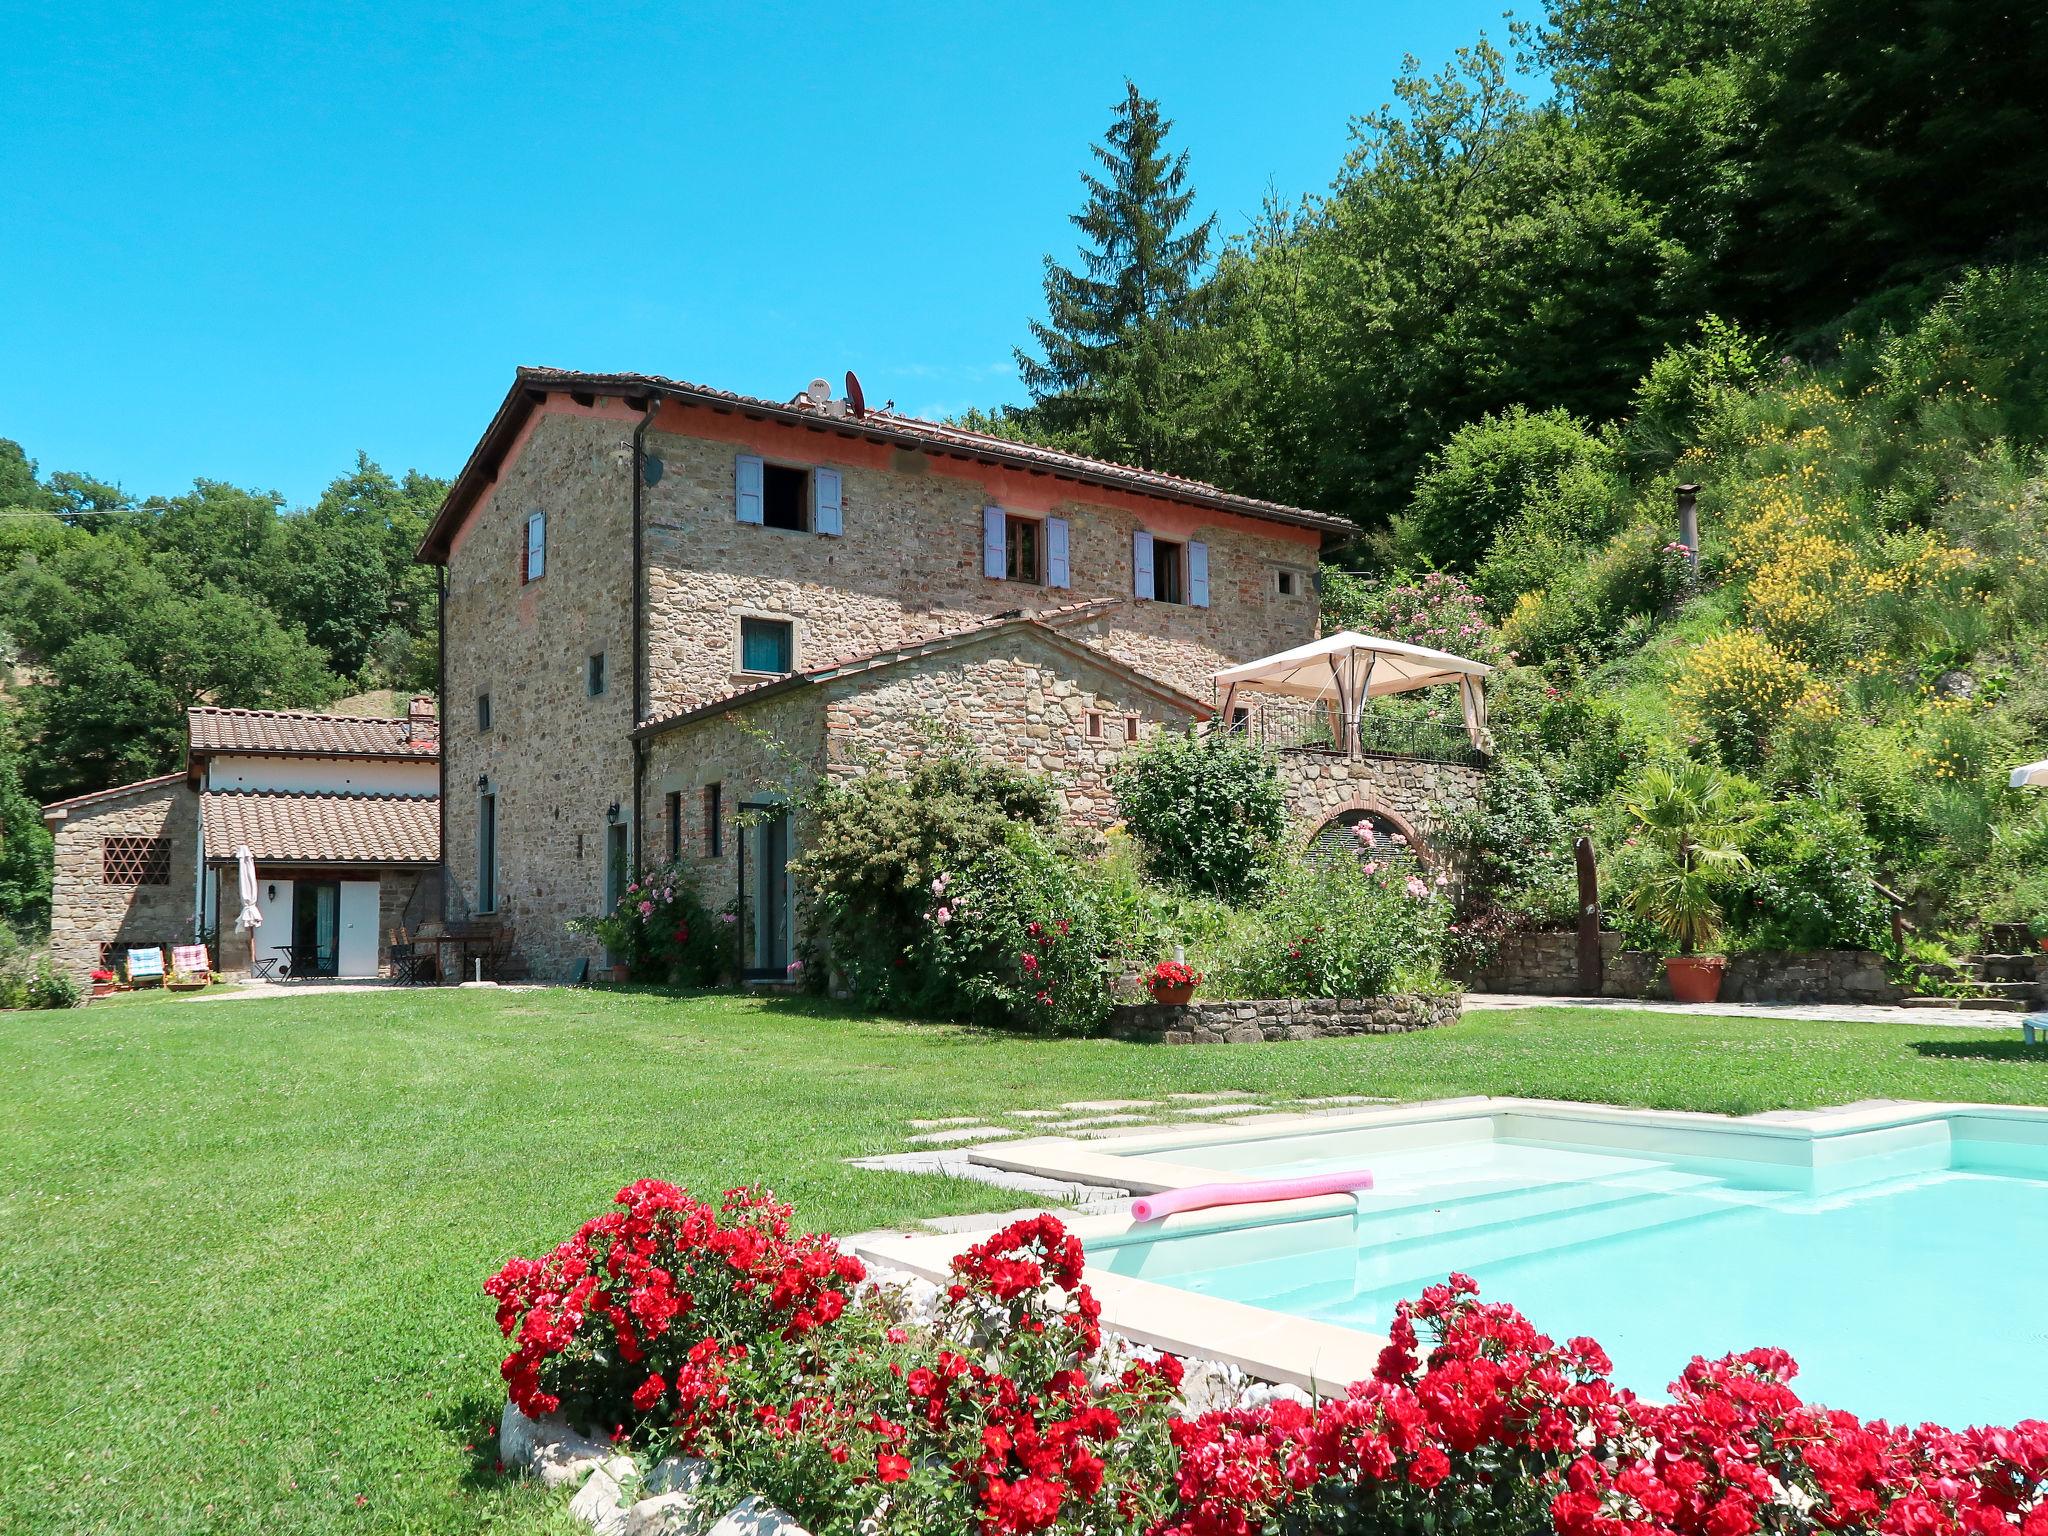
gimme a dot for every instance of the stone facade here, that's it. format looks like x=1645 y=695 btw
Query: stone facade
x=1545 y=964
x=85 y=911
x=908 y=564
x=1019 y=696
x=1285 y=1018
x=555 y=758
x=1417 y=795
x=765 y=755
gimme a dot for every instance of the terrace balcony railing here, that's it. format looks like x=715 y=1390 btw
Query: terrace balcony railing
x=1290 y=725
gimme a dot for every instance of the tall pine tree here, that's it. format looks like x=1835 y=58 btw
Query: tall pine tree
x=1115 y=338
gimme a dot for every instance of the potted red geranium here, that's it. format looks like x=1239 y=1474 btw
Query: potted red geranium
x=103 y=983
x=1173 y=983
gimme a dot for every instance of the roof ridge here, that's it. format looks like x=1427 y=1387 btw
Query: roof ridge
x=295 y=714
x=114 y=789
x=888 y=655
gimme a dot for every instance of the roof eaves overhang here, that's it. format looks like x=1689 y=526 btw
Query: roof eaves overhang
x=533 y=385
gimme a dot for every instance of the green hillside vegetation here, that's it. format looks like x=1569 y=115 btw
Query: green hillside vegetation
x=1782 y=250
x=1862 y=649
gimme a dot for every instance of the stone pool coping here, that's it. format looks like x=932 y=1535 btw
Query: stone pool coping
x=1323 y=1358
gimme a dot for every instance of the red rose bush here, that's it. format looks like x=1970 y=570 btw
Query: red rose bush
x=995 y=1406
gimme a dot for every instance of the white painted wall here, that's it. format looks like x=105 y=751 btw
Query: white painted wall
x=356 y=954
x=277 y=918
x=328 y=775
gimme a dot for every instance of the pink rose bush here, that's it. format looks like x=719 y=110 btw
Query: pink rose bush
x=1003 y=1412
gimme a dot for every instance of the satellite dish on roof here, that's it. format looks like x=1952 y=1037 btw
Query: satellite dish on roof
x=854 y=397
x=819 y=392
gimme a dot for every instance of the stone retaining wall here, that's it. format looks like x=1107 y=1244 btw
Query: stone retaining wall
x=1546 y=965
x=1280 y=1018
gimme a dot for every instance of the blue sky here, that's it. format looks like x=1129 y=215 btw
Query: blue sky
x=245 y=241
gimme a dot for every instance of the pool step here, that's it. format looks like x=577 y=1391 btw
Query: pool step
x=1420 y=1248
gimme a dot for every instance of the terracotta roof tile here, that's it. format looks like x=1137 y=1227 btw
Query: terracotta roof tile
x=294 y=828
x=302 y=732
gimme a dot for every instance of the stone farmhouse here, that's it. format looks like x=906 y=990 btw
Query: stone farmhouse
x=665 y=607
x=339 y=812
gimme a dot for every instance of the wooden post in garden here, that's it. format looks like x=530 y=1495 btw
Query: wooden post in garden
x=1591 y=973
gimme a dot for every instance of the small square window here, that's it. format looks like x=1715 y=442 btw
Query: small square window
x=714 y=824
x=1023 y=551
x=1094 y=724
x=1166 y=573
x=483 y=712
x=593 y=674
x=767 y=645
x=1130 y=727
x=785 y=496
x=1288 y=582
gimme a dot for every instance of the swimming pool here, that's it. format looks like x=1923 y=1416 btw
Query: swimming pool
x=1897 y=1251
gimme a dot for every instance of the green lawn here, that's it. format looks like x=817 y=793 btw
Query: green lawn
x=242 y=1240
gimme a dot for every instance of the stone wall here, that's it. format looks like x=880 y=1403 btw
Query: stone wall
x=86 y=912
x=1285 y=1018
x=908 y=564
x=1545 y=964
x=556 y=757
x=1020 y=698
x=1416 y=795
x=771 y=751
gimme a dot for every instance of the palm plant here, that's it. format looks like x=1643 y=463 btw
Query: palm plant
x=1692 y=816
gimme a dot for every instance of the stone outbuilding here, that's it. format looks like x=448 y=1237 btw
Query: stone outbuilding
x=340 y=813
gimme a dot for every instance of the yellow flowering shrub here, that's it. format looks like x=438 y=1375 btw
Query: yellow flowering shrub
x=1737 y=688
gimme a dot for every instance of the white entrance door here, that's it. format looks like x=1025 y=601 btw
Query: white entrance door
x=356 y=954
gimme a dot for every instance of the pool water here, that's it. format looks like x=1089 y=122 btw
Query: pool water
x=1908 y=1285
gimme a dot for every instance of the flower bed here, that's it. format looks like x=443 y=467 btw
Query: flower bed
x=796 y=1383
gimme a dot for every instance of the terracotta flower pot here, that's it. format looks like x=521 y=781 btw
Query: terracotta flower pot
x=1695 y=978
x=103 y=989
x=1173 y=997
x=622 y=973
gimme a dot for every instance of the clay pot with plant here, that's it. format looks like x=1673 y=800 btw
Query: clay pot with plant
x=1173 y=983
x=1691 y=817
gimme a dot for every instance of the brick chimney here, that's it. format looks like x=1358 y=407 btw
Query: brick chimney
x=422 y=726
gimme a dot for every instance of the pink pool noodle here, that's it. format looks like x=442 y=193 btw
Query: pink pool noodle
x=1199 y=1197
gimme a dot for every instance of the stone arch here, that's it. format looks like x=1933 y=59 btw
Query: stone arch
x=1383 y=818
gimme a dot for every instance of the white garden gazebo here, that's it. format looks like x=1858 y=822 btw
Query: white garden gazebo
x=1347 y=669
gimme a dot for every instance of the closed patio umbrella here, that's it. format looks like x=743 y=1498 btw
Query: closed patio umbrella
x=2034 y=775
x=251 y=917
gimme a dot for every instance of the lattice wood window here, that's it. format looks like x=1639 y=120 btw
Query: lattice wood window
x=135 y=861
